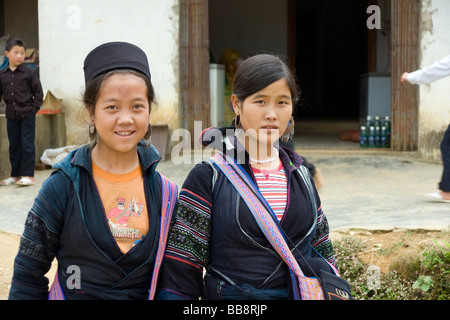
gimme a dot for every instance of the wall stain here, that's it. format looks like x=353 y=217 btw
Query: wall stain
x=430 y=145
x=426 y=22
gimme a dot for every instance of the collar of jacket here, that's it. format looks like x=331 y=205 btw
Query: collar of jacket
x=20 y=68
x=148 y=158
x=224 y=140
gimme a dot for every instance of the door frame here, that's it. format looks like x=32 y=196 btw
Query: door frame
x=405 y=28
x=194 y=64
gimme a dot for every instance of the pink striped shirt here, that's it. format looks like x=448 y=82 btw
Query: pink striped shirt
x=273 y=186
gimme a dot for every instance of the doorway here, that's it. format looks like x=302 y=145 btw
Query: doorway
x=330 y=47
x=325 y=41
x=329 y=56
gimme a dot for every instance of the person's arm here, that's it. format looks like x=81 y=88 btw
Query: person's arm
x=36 y=89
x=1 y=88
x=39 y=241
x=321 y=241
x=187 y=252
x=436 y=71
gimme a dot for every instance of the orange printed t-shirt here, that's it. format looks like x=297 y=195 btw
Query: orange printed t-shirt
x=123 y=198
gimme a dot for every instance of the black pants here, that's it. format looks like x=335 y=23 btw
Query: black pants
x=445 y=151
x=21 y=134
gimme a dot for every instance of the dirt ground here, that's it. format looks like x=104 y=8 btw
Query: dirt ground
x=9 y=246
x=381 y=247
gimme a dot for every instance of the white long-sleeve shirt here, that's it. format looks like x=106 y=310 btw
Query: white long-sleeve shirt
x=436 y=71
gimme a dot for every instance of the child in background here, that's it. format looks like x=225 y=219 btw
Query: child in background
x=21 y=89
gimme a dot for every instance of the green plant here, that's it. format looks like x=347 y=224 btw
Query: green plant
x=425 y=276
x=423 y=283
x=394 y=287
x=349 y=263
x=434 y=273
x=350 y=266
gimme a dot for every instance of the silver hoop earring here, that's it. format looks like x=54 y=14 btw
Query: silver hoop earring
x=237 y=121
x=92 y=132
x=289 y=132
x=91 y=128
x=92 y=135
x=237 y=126
x=147 y=140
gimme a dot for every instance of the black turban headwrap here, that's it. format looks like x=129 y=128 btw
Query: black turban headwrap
x=113 y=56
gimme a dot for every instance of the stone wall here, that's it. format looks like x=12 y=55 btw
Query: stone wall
x=50 y=133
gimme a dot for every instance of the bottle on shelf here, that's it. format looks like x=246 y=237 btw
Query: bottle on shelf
x=377 y=137
x=377 y=122
x=368 y=123
x=363 y=141
x=371 y=138
x=383 y=138
x=387 y=125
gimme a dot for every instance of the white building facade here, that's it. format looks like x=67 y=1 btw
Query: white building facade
x=69 y=30
x=434 y=99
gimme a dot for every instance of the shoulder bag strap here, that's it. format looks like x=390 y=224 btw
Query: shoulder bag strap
x=265 y=222
x=306 y=176
x=56 y=292
x=169 y=195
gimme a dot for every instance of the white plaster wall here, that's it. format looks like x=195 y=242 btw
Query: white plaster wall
x=434 y=100
x=68 y=30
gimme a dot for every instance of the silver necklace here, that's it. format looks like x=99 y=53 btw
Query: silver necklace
x=266 y=160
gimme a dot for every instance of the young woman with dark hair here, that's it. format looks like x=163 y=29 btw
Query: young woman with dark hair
x=215 y=228
x=105 y=211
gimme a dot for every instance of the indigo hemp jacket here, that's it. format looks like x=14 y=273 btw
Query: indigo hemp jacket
x=67 y=221
x=214 y=229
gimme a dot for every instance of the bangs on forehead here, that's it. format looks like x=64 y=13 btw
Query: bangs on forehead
x=257 y=72
x=93 y=87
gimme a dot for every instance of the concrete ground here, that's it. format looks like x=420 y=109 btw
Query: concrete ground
x=379 y=191
x=371 y=189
